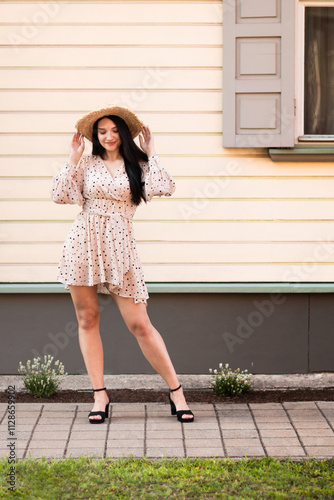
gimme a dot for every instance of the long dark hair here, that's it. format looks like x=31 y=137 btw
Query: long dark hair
x=130 y=152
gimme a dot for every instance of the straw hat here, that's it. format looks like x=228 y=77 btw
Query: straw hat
x=85 y=124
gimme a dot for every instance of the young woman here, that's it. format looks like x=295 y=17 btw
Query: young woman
x=99 y=254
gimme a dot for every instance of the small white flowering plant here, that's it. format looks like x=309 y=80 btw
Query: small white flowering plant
x=40 y=378
x=226 y=382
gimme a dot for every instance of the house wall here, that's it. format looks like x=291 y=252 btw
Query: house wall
x=236 y=216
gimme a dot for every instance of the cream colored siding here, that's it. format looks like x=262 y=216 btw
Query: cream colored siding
x=235 y=215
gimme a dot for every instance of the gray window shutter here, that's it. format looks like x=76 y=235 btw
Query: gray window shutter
x=258 y=73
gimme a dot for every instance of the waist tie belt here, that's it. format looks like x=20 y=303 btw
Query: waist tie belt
x=107 y=208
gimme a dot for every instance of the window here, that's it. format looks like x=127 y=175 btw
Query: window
x=278 y=77
x=319 y=73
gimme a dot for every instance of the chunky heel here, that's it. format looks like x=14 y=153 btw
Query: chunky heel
x=179 y=413
x=172 y=406
x=102 y=414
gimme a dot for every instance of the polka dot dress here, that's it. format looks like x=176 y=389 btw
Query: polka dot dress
x=100 y=248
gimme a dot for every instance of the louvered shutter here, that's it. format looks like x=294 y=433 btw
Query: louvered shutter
x=258 y=73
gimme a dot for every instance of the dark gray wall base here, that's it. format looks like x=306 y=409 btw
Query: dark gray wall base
x=264 y=333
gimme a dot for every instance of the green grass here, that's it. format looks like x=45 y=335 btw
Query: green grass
x=88 y=478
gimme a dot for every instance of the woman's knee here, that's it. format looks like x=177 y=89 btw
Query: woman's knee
x=88 y=317
x=141 y=327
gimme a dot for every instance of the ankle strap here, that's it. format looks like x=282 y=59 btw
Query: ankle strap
x=173 y=390
x=97 y=390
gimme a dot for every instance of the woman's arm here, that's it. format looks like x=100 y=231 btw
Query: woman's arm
x=67 y=186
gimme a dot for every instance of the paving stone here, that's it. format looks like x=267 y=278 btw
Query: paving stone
x=272 y=442
x=127 y=408
x=238 y=420
x=124 y=452
x=239 y=442
x=305 y=416
x=203 y=443
x=88 y=443
x=133 y=416
x=265 y=406
x=162 y=420
x=278 y=433
x=99 y=428
x=59 y=407
x=48 y=453
x=77 y=452
x=274 y=425
x=24 y=427
x=26 y=414
x=328 y=413
x=135 y=434
x=261 y=418
x=125 y=443
x=162 y=443
x=230 y=406
x=315 y=432
x=279 y=412
x=155 y=426
x=205 y=452
x=57 y=416
x=318 y=441
x=20 y=435
x=240 y=433
x=234 y=413
x=250 y=451
x=52 y=444
x=237 y=425
x=30 y=406
x=89 y=434
x=285 y=451
x=160 y=415
x=296 y=405
x=325 y=404
x=199 y=433
x=26 y=421
x=43 y=427
x=125 y=426
x=202 y=407
x=165 y=452
x=202 y=425
x=18 y=444
x=40 y=435
x=53 y=423
x=173 y=434
x=311 y=424
x=320 y=451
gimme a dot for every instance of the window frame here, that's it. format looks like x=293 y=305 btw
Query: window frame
x=300 y=69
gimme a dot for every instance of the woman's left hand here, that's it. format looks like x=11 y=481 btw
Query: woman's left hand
x=146 y=141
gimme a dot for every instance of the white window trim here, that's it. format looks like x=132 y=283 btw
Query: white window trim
x=300 y=60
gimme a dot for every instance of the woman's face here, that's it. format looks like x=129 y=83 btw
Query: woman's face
x=107 y=133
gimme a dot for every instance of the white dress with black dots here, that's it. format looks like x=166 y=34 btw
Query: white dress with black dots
x=100 y=248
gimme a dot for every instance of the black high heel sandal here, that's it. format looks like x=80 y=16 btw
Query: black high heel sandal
x=102 y=414
x=179 y=413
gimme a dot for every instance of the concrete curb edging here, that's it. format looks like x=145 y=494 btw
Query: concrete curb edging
x=155 y=382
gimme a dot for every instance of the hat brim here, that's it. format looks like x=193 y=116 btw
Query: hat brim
x=86 y=123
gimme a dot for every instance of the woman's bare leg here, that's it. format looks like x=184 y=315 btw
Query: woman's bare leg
x=88 y=315
x=152 y=345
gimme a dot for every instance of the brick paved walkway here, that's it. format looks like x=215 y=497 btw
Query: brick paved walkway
x=298 y=430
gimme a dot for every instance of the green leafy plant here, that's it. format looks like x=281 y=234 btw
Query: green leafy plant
x=226 y=382
x=40 y=379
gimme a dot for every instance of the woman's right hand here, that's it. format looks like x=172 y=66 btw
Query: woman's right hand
x=77 y=147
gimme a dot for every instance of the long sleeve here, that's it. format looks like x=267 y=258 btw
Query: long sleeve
x=157 y=181
x=67 y=186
